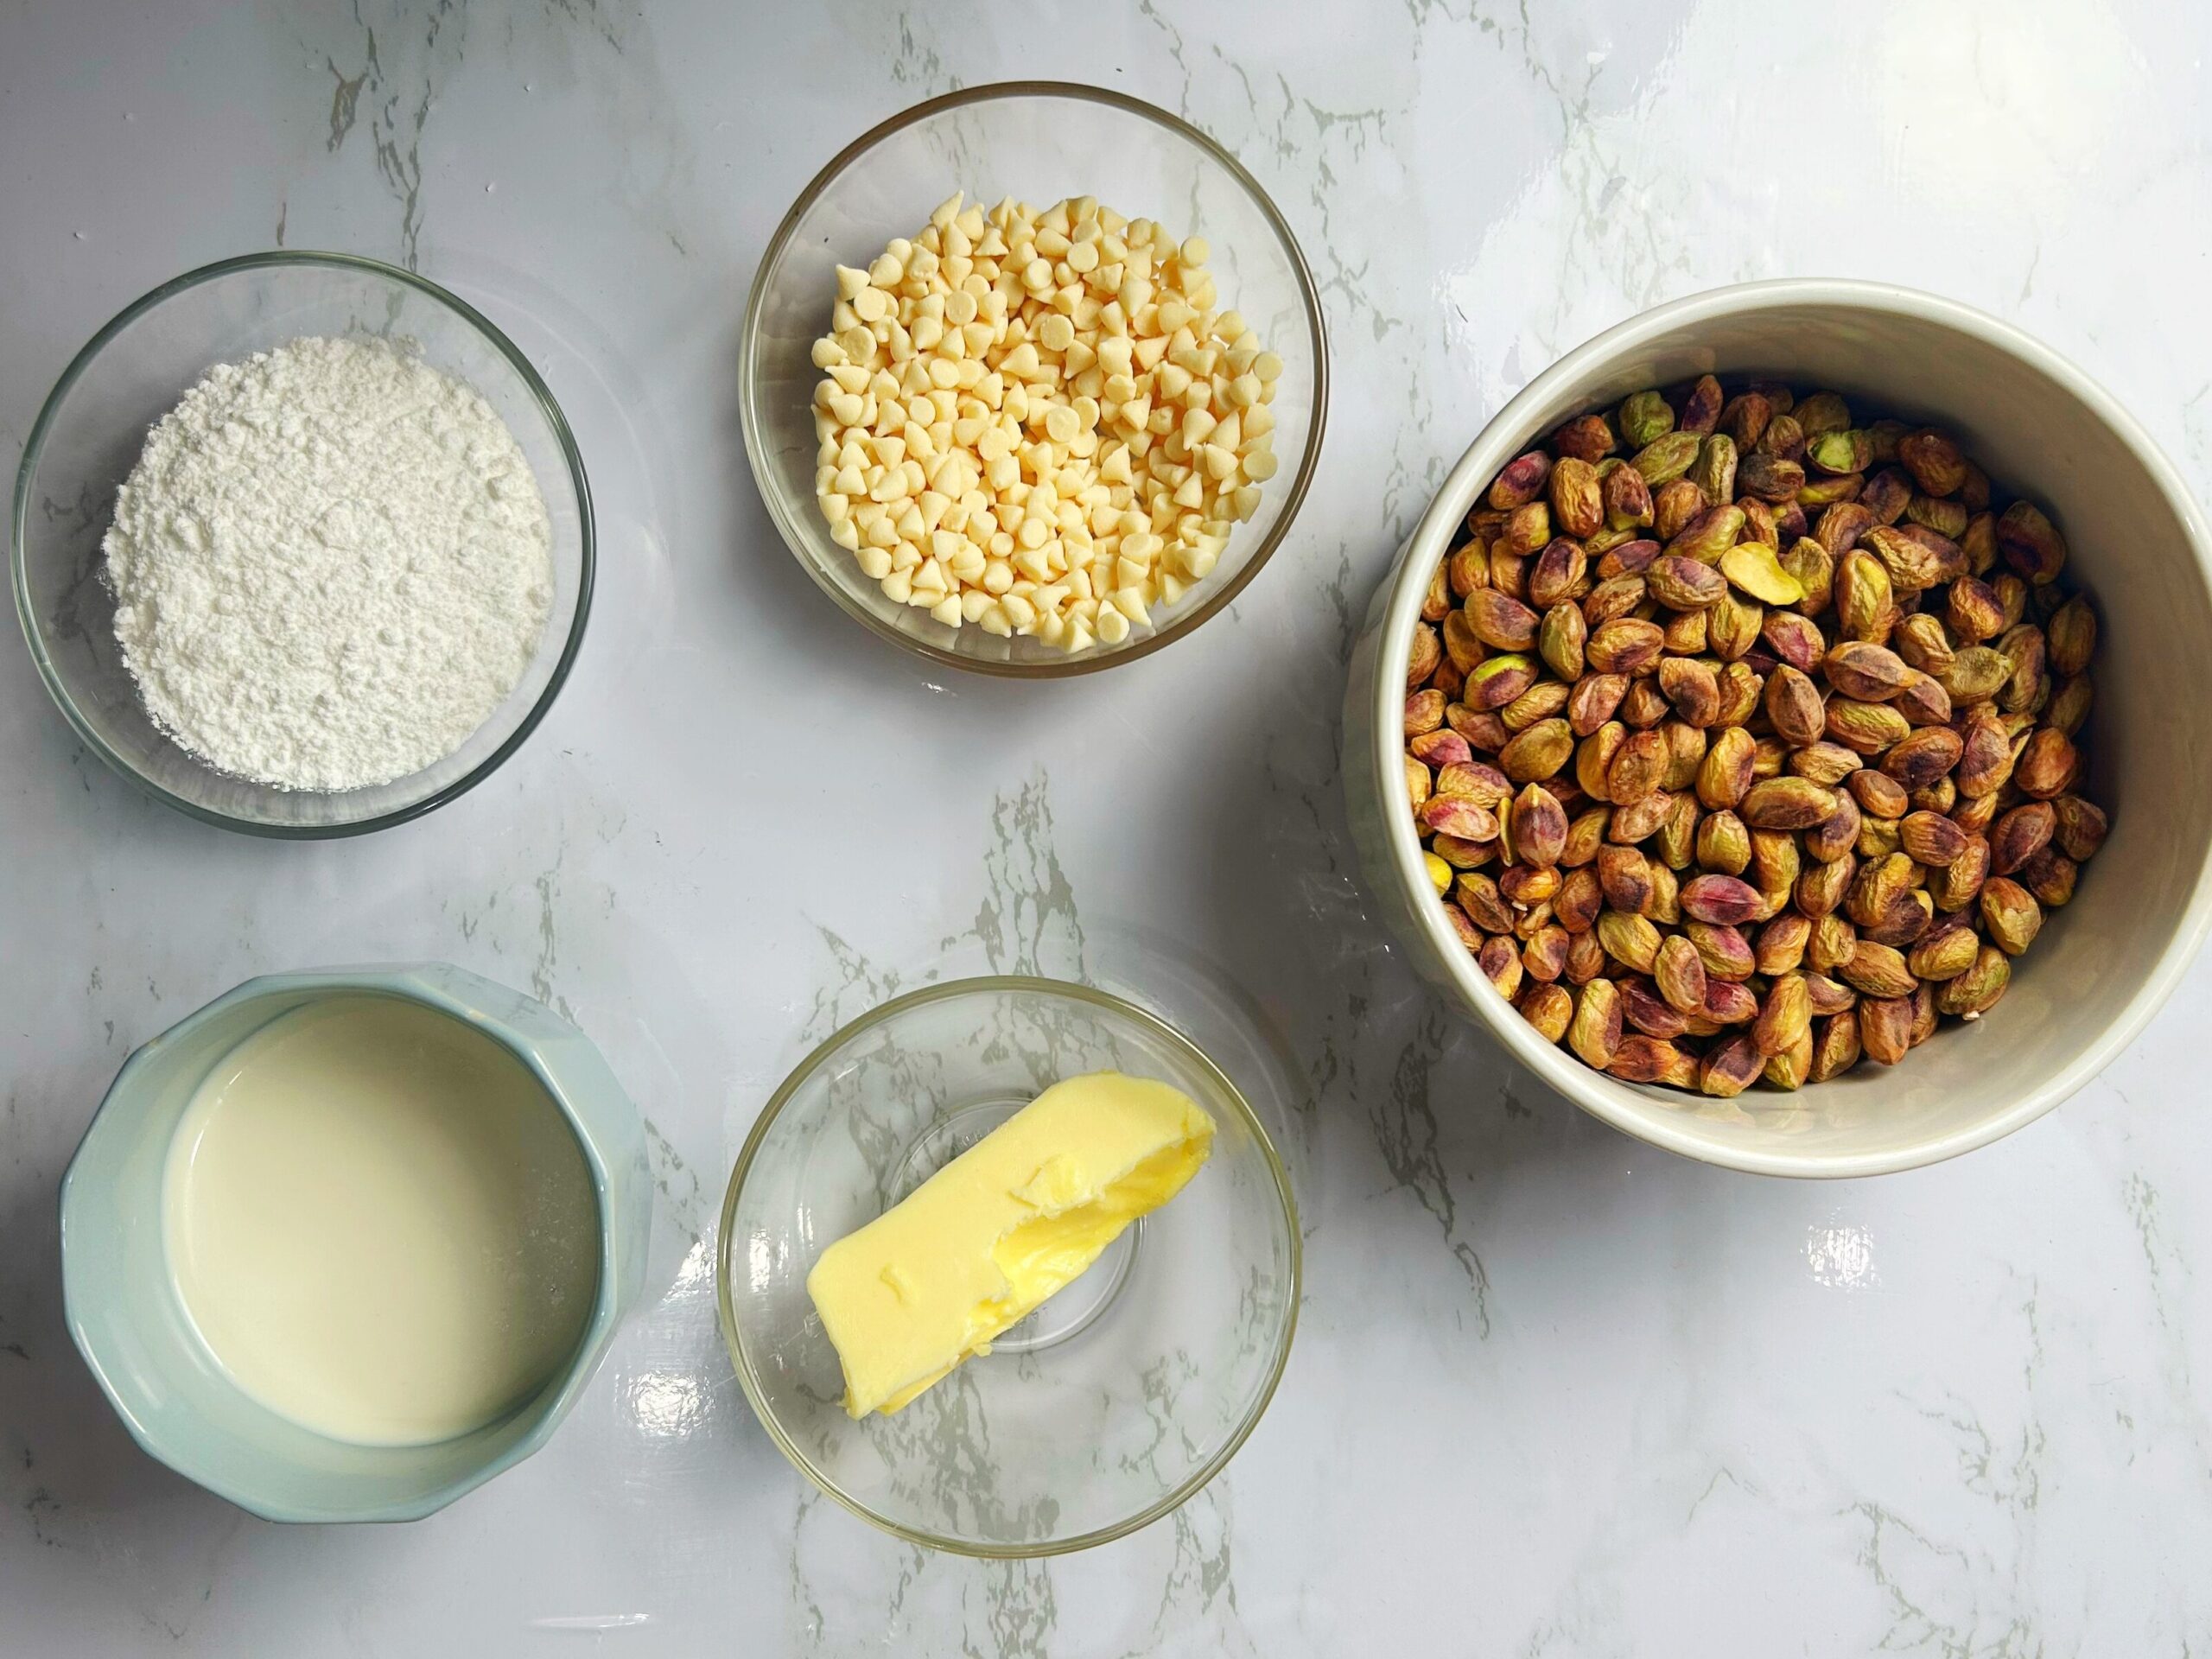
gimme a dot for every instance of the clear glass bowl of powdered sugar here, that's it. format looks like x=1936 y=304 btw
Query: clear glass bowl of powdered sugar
x=355 y=635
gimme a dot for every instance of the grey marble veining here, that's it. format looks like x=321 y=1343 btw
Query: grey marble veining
x=1554 y=1394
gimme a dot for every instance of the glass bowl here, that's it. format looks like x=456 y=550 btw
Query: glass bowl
x=1036 y=141
x=1109 y=1405
x=89 y=436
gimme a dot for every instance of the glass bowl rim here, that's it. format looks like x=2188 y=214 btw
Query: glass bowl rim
x=945 y=991
x=755 y=419
x=34 y=448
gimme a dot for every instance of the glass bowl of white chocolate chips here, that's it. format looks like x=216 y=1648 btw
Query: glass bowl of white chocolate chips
x=1111 y=1399
x=1034 y=378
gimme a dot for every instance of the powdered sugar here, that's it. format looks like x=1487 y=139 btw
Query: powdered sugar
x=331 y=564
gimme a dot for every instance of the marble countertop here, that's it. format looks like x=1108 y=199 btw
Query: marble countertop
x=1554 y=1393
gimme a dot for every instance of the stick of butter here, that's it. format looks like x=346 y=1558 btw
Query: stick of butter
x=1019 y=1214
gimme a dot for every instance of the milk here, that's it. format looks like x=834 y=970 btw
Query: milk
x=380 y=1223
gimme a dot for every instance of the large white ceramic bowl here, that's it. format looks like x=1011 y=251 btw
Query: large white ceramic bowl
x=2138 y=543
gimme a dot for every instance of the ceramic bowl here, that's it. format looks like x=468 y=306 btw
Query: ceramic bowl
x=89 y=436
x=1117 y=1398
x=127 y=1318
x=2103 y=963
x=1038 y=142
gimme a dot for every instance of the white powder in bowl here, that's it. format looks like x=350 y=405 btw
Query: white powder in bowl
x=331 y=564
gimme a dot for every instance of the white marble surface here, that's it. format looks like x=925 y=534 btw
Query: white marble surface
x=1554 y=1394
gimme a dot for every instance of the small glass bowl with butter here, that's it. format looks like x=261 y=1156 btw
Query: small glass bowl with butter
x=1105 y=1408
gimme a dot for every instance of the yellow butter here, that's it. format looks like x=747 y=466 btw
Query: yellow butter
x=1019 y=1214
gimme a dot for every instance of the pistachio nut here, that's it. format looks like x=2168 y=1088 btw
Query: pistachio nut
x=1770 y=478
x=1722 y=900
x=1869 y=672
x=1793 y=638
x=1973 y=993
x=1779 y=948
x=1667 y=457
x=1935 y=460
x=1912 y=566
x=1700 y=409
x=1924 y=701
x=1865 y=727
x=1691 y=686
x=1726 y=954
x=1538 y=752
x=1549 y=1008
x=1540 y=702
x=1784 y=1017
x=1714 y=469
x=1743 y=416
x=2048 y=766
x=1631 y=940
x=1586 y=437
x=2019 y=834
x=1641 y=819
x=1673 y=505
x=1784 y=437
x=1651 y=1059
x=1580 y=898
x=2049 y=876
x=1708 y=535
x=1417 y=780
x=1878 y=971
x=1595 y=1031
x=1919 y=758
x=1684 y=584
x=1440 y=749
x=1886 y=1028
x=1835 y=453
x=1731 y=1068
x=2030 y=542
x=1835 y=1046
x=1887 y=494
x=1837 y=834
x=1863 y=599
x=1921 y=641
x=1645 y=705
x=1786 y=804
x=2010 y=914
x=2069 y=707
x=1497 y=621
x=1626 y=645
x=1824 y=762
x=1724 y=845
x=2081 y=827
x=1521 y=481
x=1832 y=942
x=1680 y=974
x=1958 y=883
x=1945 y=952
x=1543 y=955
x=1636 y=768
x=1930 y=838
x=1946 y=519
x=1753 y=566
x=1645 y=418
x=1643 y=1007
x=1821 y=492
x=1739 y=688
